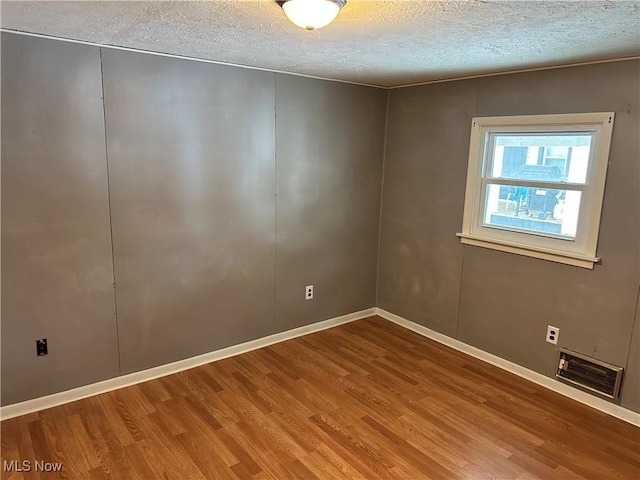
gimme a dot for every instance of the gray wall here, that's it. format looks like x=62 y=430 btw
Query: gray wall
x=193 y=175
x=631 y=385
x=497 y=301
x=191 y=167
x=329 y=137
x=57 y=276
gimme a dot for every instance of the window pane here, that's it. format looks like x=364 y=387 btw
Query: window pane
x=560 y=157
x=531 y=209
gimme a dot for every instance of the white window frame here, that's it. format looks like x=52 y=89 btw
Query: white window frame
x=580 y=251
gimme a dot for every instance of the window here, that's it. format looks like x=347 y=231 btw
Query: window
x=535 y=185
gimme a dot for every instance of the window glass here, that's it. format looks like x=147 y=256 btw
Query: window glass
x=562 y=157
x=533 y=209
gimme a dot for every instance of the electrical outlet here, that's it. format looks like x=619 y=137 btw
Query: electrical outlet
x=41 y=347
x=552 y=334
x=308 y=293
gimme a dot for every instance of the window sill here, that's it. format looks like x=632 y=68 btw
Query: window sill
x=530 y=251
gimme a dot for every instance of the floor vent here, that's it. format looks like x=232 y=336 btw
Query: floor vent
x=586 y=372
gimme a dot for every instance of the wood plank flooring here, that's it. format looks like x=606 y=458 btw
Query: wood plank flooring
x=367 y=400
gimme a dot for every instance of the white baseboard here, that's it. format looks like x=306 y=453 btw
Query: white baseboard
x=41 y=403
x=535 y=377
x=37 y=404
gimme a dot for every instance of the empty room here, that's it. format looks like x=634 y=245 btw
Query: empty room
x=320 y=239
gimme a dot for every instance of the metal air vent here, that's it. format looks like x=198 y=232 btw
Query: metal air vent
x=586 y=372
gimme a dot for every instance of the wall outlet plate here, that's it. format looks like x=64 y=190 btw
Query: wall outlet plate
x=41 y=347
x=552 y=334
x=308 y=292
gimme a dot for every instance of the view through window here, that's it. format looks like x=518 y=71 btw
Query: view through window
x=541 y=182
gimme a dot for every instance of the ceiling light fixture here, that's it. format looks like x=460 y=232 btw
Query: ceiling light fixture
x=312 y=14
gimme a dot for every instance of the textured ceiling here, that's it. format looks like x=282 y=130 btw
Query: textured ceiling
x=387 y=43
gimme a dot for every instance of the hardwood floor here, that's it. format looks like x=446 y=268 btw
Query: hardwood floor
x=367 y=400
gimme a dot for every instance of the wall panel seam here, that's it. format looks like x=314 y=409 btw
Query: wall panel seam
x=113 y=261
x=384 y=165
x=275 y=200
x=634 y=325
x=464 y=247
